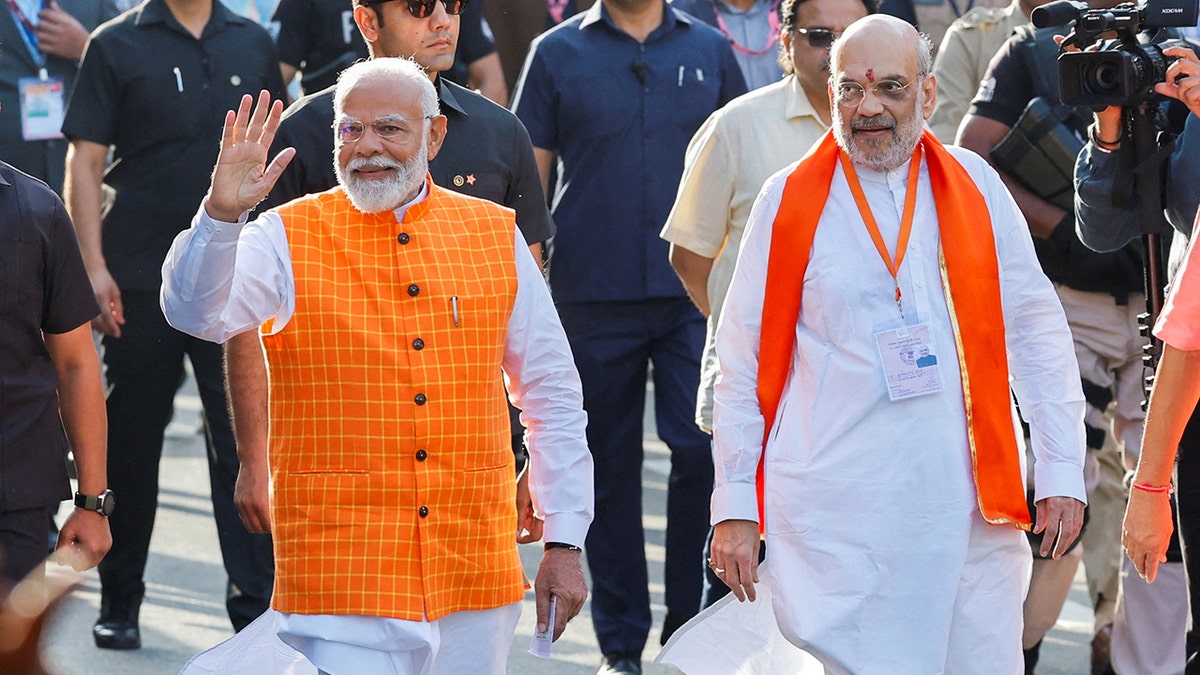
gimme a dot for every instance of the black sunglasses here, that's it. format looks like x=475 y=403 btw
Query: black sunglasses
x=819 y=38
x=423 y=8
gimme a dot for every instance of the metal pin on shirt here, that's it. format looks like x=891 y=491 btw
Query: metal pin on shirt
x=178 y=79
x=454 y=309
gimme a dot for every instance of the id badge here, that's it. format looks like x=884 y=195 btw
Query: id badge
x=43 y=106
x=910 y=366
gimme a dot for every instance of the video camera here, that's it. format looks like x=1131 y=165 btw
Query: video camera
x=1123 y=71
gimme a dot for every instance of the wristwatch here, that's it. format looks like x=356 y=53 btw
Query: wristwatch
x=103 y=503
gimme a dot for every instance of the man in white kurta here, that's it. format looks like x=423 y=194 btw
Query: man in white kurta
x=880 y=559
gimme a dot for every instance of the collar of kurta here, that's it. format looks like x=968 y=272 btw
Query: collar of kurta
x=970 y=278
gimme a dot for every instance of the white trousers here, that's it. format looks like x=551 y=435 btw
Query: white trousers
x=476 y=642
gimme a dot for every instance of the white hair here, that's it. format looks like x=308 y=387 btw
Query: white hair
x=393 y=68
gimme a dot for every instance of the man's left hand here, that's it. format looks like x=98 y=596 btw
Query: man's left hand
x=83 y=540
x=60 y=34
x=560 y=575
x=1059 y=519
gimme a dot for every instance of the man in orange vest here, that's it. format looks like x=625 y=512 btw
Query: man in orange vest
x=391 y=306
x=886 y=298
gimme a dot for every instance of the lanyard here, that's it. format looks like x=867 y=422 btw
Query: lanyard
x=30 y=34
x=906 y=220
x=772 y=31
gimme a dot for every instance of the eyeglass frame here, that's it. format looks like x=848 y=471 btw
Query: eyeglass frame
x=808 y=36
x=874 y=90
x=415 y=6
x=374 y=124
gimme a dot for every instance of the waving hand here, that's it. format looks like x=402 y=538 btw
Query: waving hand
x=240 y=181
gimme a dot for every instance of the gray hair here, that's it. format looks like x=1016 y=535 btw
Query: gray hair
x=395 y=69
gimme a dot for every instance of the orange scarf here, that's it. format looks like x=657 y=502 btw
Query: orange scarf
x=970 y=277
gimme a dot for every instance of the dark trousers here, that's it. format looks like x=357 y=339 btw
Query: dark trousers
x=144 y=368
x=613 y=344
x=24 y=544
x=1188 y=504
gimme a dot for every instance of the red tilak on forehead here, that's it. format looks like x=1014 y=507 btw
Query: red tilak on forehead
x=870 y=74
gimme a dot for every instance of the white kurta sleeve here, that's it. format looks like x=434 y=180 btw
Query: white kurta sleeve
x=545 y=385
x=221 y=279
x=737 y=418
x=1042 y=365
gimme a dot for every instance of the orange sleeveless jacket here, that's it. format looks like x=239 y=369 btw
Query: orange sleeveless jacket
x=391 y=463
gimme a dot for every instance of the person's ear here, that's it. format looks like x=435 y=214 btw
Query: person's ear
x=929 y=89
x=437 y=134
x=368 y=22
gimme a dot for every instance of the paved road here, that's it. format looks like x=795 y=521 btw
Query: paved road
x=184 y=609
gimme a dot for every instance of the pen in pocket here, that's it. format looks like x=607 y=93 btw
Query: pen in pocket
x=454 y=308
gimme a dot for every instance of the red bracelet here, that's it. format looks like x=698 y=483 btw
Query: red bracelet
x=1146 y=487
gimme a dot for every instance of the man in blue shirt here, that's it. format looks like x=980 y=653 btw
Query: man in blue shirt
x=614 y=95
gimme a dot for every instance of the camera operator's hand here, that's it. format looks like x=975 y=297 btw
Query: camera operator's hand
x=1109 y=120
x=1183 y=78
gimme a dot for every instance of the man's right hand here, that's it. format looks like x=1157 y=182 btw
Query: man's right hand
x=239 y=180
x=252 y=496
x=734 y=556
x=108 y=295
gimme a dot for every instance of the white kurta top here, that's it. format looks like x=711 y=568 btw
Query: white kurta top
x=870 y=503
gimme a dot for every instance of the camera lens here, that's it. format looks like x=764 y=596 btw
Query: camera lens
x=1102 y=77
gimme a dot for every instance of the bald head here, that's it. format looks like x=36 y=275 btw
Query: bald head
x=886 y=38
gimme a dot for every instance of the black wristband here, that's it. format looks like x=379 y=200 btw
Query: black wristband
x=559 y=544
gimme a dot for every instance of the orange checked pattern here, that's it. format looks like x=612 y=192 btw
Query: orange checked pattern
x=391 y=461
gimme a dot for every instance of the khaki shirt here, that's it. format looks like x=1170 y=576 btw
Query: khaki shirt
x=727 y=162
x=968 y=47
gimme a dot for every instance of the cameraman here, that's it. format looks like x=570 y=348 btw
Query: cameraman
x=1104 y=225
x=1101 y=295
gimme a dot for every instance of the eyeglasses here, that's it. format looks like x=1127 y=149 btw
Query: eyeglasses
x=852 y=94
x=819 y=38
x=423 y=8
x=387 y=128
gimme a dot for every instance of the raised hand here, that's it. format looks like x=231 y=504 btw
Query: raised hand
x=239 y=180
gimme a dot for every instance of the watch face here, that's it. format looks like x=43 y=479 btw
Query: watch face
x=107 y=503
x=103 y=503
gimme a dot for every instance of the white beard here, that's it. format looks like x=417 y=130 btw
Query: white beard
x=377 y=196
x=881 y=155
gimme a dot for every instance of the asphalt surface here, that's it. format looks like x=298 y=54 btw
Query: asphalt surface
x=184 y=612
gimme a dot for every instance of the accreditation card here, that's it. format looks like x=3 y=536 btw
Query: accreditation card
x=910 y=365
x=43 y=106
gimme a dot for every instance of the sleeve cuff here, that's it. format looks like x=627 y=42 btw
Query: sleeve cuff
x=1058 y=479
x=568 y=528
x=734 y=501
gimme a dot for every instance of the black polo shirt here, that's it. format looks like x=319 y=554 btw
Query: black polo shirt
x=486 y=154
x=43 y=288
x=158 y=95
x=319 y=38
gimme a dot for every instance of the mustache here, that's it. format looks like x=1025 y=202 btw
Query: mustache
x=872 y=123
x=373 y=163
